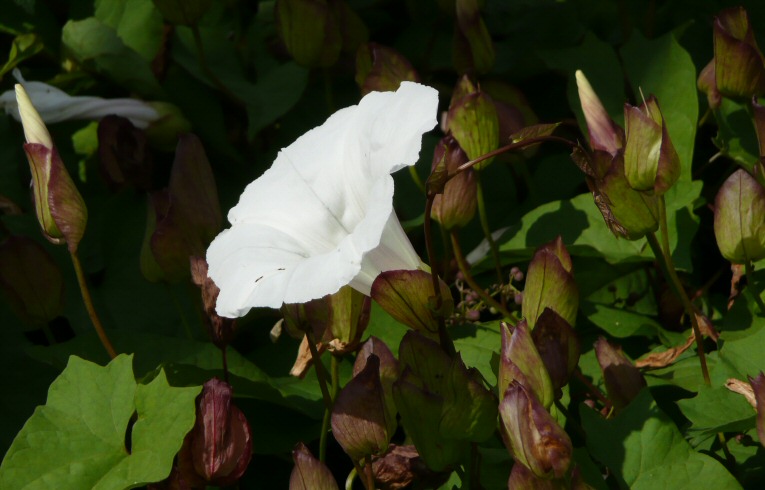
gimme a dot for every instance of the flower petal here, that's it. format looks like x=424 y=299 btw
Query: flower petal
x=322 y=216
x=55 y=105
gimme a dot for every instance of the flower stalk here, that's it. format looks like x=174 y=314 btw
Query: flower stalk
x=86 y=298
x=446 y=341
x=668 y=268
x=465 y=269
x=483 y=217
x=750 y=284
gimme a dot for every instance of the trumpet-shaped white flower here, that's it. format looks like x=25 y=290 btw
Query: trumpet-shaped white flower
x=322 y=216
x=55 y=105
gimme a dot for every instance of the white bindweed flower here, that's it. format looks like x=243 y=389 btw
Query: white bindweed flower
x=322 y=216
x=55 y=105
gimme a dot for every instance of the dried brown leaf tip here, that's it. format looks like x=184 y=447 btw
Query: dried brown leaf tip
x=221 y=329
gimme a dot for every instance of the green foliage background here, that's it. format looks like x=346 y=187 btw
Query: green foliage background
x=111 y=48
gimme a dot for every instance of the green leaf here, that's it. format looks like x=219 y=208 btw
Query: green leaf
x=92 y=41
x=479 y=347
x=717 y=409
x=275 y=93
x=736 y=136
x=137 y=22
x=77 y=440
x=24 y=46
x=645 y=450
x=662 y=67
x=621 y=323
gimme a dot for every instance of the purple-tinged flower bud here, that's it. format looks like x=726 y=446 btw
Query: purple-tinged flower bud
x=220 y=329
x=389 y=370
x=470 y=410
x=183 y=219
x=309 y=473
x=558 y=347
x=707 y=84
x=758 y=387
x=339 y=319
x=420 y=411
x=650 y=160
x=187 y=13
x=472 y=120
x=360 y=420
x=473 y=48
x=520 y=361
x=456 y=206
x=605 y=135
x=739 y=67
x=400 y=467
x=521 y=478
x=740 y=218
x=532 y=435
x=219 y=447
x=623 y=380
x=31 y=281
x=123 y=154
x=309 y=31
x=758 y=115
x=634 y=213
x=550 y=284
x=380 y=68
x=60 y=209
x=408 y=297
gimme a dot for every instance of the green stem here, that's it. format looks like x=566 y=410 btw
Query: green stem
x=351 y=477
x=487 y=232
x=416 y=179
x=443 y=336
x=89 y=306
x=202 y=58
x=49 y=337
x=368 y=472
x=335 y=373
x=752 y=288
x=177 y=305
x=668 y=268
x=465 y=269
x=321 y=374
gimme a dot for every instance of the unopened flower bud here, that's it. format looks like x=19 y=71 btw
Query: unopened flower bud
x=521 y=478
x=123 y=154
x=408 y=297
x=758 y=388
x=60 y=209
x=550 y=284
x=739 y=69
x=472 y=120
x=456 y=206
x=420 y=411
x=219 y=447
x=31 y=281
x=558 y=347
x=220 y=329
x=360 y=422
x=309 y=30
x=740 y=218
x=187 y=14
x=184 y=218
x=623 y=380
x=605 y=135
x=532 y=435
x=380 y=68
x=650 y=160
x=309 y=473
x=473 y=48
x=635 y=213
x=707 y=84
x=520 y=361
